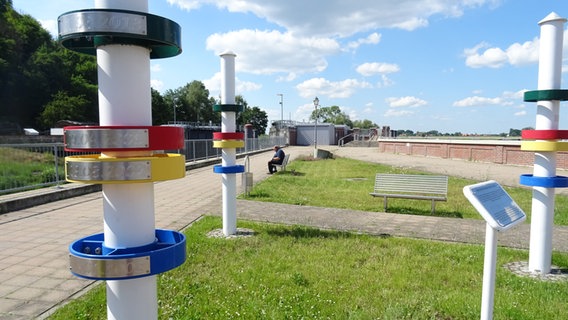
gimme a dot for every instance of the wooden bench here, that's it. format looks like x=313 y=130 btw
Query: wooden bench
x=410 y=186
x=284 y=163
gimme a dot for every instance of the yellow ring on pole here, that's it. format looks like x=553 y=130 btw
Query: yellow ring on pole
x=544 y=145
x=228 y=144
x=98 y=170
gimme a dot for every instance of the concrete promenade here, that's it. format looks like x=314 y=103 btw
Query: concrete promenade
x=34 y=242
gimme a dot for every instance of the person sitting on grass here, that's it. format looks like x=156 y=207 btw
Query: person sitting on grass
x=276 y=159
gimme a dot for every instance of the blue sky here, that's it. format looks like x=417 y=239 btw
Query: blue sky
x=446 y=65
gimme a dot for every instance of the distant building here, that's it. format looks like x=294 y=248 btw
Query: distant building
x=302 y=133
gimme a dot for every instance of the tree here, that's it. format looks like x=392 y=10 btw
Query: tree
x=364 y=124
x=5 y=5
x=64 y=107
x=60 y=70
x=514 y=132
x=37 y=74
x=331 y=114
x=161 y=112
x=20 y=38
x=192 y=103
x=405 y=133
x=240 y=100
x=257 y=117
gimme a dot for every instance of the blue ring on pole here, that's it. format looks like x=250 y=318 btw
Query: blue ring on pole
x=228 y=169
x=546 y=95
x=545 y=182
x=84 y=30
x=91 y=259
x=228 y=108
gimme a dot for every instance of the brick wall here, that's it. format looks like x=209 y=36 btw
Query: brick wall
x=492 y=151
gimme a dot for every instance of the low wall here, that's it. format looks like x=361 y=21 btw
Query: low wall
x=492 y=151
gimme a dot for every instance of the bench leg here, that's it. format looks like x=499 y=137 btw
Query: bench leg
x=385 y=201
x=433 y=206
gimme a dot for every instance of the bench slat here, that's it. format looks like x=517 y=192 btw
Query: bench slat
x=408 y=196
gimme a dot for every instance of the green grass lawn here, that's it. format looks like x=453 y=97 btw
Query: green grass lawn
x=22 y=168
x=346 y=184
x=294 y=272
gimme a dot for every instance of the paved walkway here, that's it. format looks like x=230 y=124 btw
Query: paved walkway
x=33 y=242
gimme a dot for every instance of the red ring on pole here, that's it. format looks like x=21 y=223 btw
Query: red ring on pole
x=159 y=138
x=544 y=134
x=228 y=135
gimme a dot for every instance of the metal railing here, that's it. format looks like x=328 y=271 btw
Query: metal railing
x=342 y=141
x=38 y=165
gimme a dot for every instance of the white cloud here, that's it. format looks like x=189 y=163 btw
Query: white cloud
x=506 y=99
x=157 y=84
x=323 y=87
x=187 y=4
x=516 y=54
x=213 y=84
x=373 y=38
x=523 y=54
x=407 y=101
x=385 y=82
x=520 y=113
x=340 y=18
x=493 y=57
x=290 y=77
x=518 y=95
x=304 y=111
x=247 y=86
x=269 y=52
x=372 y=68
x=155 y=67
x=368 y=108
x=397 y=113
x=477 y=101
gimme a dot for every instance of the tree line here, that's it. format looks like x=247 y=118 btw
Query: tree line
x=42 y=83
x=334 y=115
x=514 y=133
x=40 y=79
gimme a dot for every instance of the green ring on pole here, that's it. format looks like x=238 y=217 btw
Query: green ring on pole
x=546 y=95
x=228 y=108
x=84 y=30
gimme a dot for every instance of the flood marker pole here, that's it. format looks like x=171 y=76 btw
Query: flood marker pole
x=228 y=139
x=130 y=252
x=545 y=142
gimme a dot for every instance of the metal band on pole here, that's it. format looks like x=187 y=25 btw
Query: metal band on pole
x=544 y=134
x=85 y=30
x=96 y=169
x=121 y=138
x=544 y=146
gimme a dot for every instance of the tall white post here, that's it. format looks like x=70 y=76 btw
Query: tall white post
x=125 y=99
x=229 y=155
x=549 y=77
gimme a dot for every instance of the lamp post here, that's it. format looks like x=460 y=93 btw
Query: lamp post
x=281 y=108
x=316 y=103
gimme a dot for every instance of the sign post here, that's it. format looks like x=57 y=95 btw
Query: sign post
x=501 y=213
